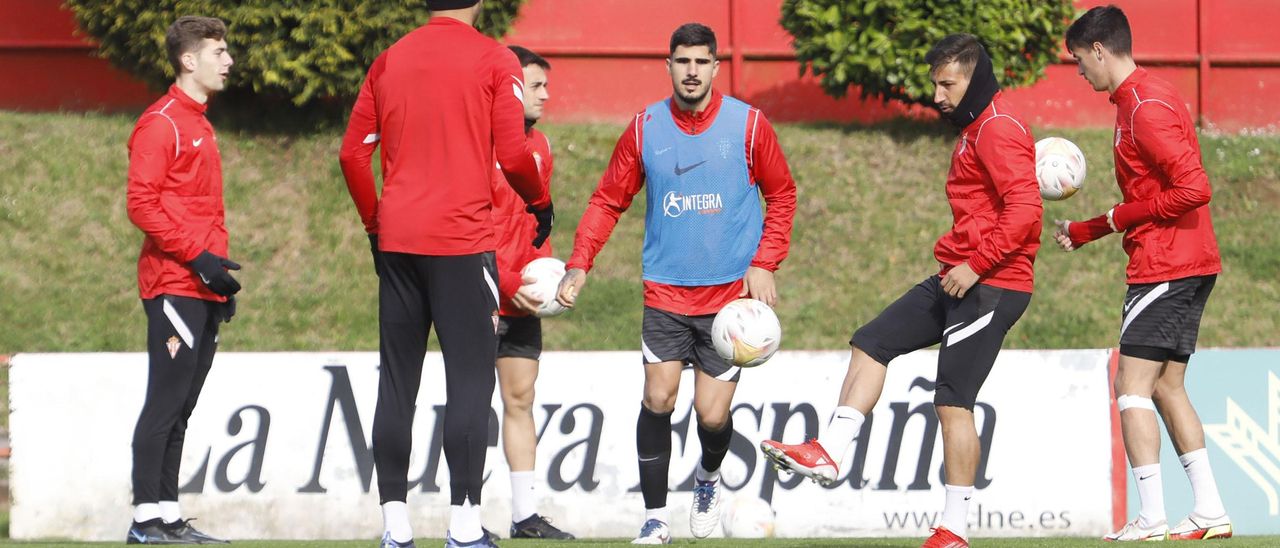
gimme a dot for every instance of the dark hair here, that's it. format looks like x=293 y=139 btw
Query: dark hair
x=185 y=35
x=527 y=57
x=694 y=34
x=1106 y=25
x=964 y=49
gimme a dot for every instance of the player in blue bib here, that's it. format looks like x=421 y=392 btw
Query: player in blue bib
x=703 y=159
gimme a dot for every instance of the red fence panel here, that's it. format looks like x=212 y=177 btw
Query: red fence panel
x=608 y=58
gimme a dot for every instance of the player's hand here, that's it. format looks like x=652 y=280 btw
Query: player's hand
x=229 y=309
x=212 y=270
x=570 y=285
x=377 y=254
x=524 y=298
x=1111 y=221
x=958 y=280
x=545 y=217
x=758 y=283
x=1063 y=235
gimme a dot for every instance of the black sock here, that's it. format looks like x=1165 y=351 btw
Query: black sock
x=715 y=445
x=653 y=447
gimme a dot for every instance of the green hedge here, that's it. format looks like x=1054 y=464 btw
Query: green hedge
x=297 y=49
x=879 y=45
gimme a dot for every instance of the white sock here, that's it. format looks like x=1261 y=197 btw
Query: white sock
x=146 y=511
x=395 y=520
x=660 y=514
x=1150 y=494
x=524 y=502
x=1203 y=487
x=464 y=522
x=955 y=515
x=170 y=511
x=702 y=475
x=845 y=424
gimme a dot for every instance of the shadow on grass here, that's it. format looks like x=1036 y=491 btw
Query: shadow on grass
x=243 y=112
x=900 y=130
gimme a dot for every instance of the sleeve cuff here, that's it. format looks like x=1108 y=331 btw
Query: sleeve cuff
x=1126 y=216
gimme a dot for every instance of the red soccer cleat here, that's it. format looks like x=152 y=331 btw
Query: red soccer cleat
x=808 y=459
x=944 y=538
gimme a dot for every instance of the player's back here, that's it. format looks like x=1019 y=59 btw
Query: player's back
x=434 y=100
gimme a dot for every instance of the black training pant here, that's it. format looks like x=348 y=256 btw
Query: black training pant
x=459 y=296
x=182 y=336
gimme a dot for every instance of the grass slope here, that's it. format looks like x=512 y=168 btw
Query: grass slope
x=871 y=206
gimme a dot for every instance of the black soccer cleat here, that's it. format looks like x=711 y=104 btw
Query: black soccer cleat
x=152 y=531
x=536 y=526
x=183 y=530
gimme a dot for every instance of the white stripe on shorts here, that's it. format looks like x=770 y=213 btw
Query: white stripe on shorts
x=728 y=374
x=649 y=356
x=493 y=288
x=1143 y=303
x=968 y=331
x=178 y=325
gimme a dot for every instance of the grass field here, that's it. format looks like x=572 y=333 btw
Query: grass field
x=1238 y=542
x=870 y=208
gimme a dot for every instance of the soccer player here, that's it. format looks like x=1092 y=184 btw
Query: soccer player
x=1173 y=263
x=984 y=285
x=519 y=331
x=442 y=102
x=706 y=159
x=175 y=198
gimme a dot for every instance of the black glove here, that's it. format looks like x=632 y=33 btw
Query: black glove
x=377 y=255
x=545 y=216
x=212 y=270
x=229 y=309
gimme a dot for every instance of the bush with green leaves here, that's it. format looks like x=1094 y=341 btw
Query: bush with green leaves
x=301 y=50
x=879 y=45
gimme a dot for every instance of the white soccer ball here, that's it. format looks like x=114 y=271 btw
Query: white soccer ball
x=747 y=517
x=1060 y=168
x=746 y=332
x=547 y=272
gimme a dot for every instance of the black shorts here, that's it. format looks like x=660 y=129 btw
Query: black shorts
x=670 y=337
x=971 y=331
x=1164 y=316
x=520 y=337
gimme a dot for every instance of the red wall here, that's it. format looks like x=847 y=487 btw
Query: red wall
x=608 y=61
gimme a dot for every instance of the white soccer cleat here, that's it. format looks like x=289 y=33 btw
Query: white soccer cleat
x=704 y=513
x=1196 y=527
x=653 y=532
x=1132 y=532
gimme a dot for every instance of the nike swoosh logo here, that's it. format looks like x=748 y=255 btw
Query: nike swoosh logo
x=1129 y=304
x=683 y=170
x=1146 y=477
x=948 y=330
x=967 y=498
x=661 y=151
x=197 y=142
x=204 y=279
x=650 y=459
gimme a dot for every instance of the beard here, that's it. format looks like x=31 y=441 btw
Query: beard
x=693 y=98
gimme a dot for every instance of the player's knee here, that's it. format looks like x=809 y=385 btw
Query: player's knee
x=713 y=419
x=659 y=399
x=518 y=400
x=1168 y=391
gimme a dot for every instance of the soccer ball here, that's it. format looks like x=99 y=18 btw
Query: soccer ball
x=747 y=517
x=547 y=272
x=746 y=332
x=1060 y=168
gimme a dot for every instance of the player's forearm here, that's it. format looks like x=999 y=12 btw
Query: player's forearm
x=1017 y=223
x=593 y=232
x=1170 y=204
x=364 y=193
x=146 y=213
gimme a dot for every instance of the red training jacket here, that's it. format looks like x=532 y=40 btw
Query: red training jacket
x=995 y=201
x=624 y=178
x=516 y=227
x=442 y=102
x=175 y=195
x=1165 y=215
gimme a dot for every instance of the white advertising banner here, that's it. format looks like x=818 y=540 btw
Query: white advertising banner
x=279 y=447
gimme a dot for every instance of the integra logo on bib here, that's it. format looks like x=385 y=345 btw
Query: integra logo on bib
x=675 y=204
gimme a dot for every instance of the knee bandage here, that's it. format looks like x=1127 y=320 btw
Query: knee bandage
x=1130 y=401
